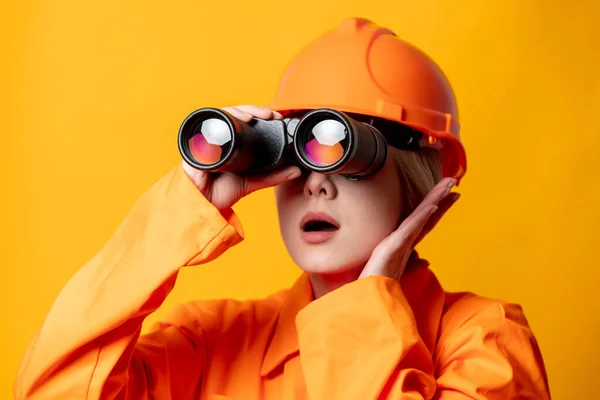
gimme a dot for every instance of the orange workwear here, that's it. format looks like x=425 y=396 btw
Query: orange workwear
x=373 y=338
x=363 y=68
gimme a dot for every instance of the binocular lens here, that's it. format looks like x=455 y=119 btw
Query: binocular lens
x=326 y=142
x=210 y=140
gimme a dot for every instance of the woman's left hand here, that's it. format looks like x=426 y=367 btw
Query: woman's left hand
x=391 y=255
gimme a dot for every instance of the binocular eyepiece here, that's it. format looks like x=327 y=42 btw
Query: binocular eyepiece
x=323 y=140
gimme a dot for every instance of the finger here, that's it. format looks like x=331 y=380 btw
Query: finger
x=256 y=111
x=200 y=178
x=399 y=245
x=425 y=217
x=444 y=206
x=239 y=114
x=435 y=195
x=410 y=228
x=399 y=241
x=441 y=189
x=254 y=183
x=433 y=198
x=419 y=222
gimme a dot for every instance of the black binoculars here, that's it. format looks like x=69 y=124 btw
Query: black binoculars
x=323 y=140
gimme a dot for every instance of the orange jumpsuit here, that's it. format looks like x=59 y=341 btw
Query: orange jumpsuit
x=371 y=339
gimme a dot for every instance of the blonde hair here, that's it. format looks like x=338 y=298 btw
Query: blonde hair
x=419 y=172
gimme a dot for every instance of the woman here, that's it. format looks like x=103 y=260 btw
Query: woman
x=367 y=319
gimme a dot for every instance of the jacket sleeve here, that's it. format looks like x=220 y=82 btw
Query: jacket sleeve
x=361 y=341
x=88 y=348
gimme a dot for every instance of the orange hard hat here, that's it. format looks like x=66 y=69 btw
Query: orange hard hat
x=362 y=68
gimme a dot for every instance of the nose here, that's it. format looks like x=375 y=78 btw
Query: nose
x=319 y=185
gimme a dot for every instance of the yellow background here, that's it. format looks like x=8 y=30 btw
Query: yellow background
x=93 y=94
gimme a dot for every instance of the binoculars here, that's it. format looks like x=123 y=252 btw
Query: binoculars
x=323 y=140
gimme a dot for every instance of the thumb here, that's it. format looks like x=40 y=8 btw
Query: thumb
x=262 y=181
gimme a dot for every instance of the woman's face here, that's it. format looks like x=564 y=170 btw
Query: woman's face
x=331 y=225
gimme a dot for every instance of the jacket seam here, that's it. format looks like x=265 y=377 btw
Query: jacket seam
x=218 y=237
x=89 y=386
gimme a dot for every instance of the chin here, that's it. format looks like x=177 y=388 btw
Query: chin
x=335 y=256
x=328 y=262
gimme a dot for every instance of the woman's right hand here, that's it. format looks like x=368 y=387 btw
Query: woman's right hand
x=225 y=189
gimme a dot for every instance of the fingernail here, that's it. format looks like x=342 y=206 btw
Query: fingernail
x=294 y=174
x=451 y=184
x=433 y=210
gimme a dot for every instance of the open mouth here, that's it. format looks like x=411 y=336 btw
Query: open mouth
x=318 y=222
x=318 y=226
